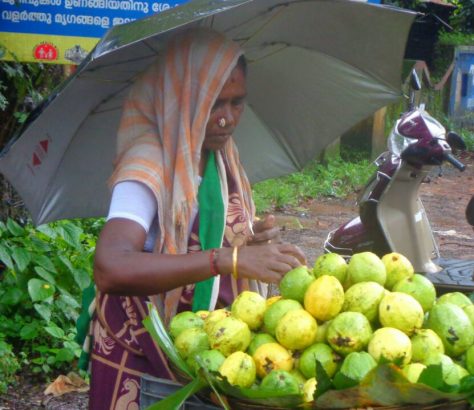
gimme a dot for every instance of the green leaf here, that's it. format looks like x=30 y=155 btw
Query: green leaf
x=71 y=234
x=341 y=381
x=64 y=355
x=11 y=297
x=40 y=290
x=67 y=263
x=175 y=400
x=68 y=300
x=29 y=331
x=82 y=278
x=5 y=257
x=55 y=331
x=43 y=310
x=432 y=376
x=48 y=277
x=47 y=230
x=44 y=262
x=14 y=228
x=324 y=382
x=158 y=332
x=21 y=257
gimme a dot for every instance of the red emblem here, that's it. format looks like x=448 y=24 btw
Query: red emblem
x=45 y=51
x=41 y=149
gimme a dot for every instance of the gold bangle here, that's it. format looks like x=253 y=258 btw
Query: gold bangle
x=235 y=273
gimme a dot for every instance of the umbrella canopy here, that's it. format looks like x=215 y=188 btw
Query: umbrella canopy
x=316 y=67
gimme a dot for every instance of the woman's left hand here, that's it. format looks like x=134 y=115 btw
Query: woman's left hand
x=265 y=231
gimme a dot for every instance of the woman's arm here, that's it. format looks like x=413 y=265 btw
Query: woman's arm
x=121 y=266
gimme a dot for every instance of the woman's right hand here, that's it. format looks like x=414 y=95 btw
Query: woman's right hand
x=268 y=263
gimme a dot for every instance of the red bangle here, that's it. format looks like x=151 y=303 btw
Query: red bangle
x=213 y=262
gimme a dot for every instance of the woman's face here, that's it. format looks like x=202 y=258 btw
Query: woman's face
x=226 y=111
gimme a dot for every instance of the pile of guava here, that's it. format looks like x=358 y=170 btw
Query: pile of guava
x=337 y=321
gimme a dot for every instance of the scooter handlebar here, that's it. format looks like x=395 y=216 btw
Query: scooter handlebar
x=456 y=163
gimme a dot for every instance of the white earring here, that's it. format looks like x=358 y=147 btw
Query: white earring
x=221 y=122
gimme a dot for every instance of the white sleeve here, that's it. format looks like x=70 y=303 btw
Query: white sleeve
x=135 y=201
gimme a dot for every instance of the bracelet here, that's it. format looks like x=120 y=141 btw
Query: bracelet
x=213 y=262
x=235 y=273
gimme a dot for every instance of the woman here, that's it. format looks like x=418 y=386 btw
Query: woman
x=181 y=214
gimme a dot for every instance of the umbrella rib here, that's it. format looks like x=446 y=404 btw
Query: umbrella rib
x=119 y=63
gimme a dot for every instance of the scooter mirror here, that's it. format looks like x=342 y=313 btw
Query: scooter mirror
x=455 y=141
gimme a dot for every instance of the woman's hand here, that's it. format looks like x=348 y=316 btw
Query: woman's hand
x=268 y=263
x=265 y=231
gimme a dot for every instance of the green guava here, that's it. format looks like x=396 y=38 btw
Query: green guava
x=324 y=298
x=214 y=317
x=390 y=344
x=182 y=321
x=239 y=369
x=450 y=372
x=230 y=335
x=356 y=365
x=401 y=311
x=365 y=267
x=398 y=267
x=272 y=356
x=331 y=264
x=322 y=331
x=469 y=311
x=276 y=311
x=299 y=377
x=211 y=360
x=453 y=327
x=456 y=298
x=323 y=353
x=420 y=287
x=425 y=342
x=295 y=282
x=258 y=340
x=349 y=332
x=412 y=371
x=296 y=330
x=470 y=360
x=281 y=381
x=191 y=341
x=364 y=297
x=249 y=307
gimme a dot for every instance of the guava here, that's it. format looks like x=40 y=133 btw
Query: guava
x=365 y=267
x=271 y=300
x=401 y=311
x=272 y=356
x=364 y=297
x=469 y=311
x=258 y=340
x=397 y=267
x=324 y=298
x=182 y=321
x=450 y=372
x=211 y=359
x=191 y=341
x=462 y=372
x=391 y=344
x=456 y=298
x=420 y=287
x=425 y=342
x=230 y=335
x=331 y=264
x=322 y=353
x=412 y=371
x=202 y=314
x=349 y=332
x=239 y=369
x=213 y=317
x=280 y=381
x=294 y=283
x=309 y=388
x=296 y=330
x=453 y=327
x=470 y=360
x=276 y=311
x=356 y=365
x=299 y=377
x=249 y=307
x=322 y=331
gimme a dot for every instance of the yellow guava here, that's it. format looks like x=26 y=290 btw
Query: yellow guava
x=272 y=356
x=349 y=332
x=296 y=330
x=391 y=344
x=271 y=300
x=230 y=335
x=420 y=287
x=401 y=311
x=425 y=342
x=331 y=264
x=364 y=297
x=276 y=311
x=202 y=314
x=239 y=369
x=309 y=388
x=323 y=353
x=191 y=341
x=324 y=298
x=214 y=317
x=412 y=371
x=397 y=267
x=182 y=321
x=365 y=267
x=294 y=283
x=258 y=340
x=249 y=307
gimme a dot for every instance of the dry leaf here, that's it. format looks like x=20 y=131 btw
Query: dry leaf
x=66 y=384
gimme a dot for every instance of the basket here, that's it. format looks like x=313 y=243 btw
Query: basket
x=154 y=389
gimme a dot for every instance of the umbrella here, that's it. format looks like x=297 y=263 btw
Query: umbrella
x=316 y=67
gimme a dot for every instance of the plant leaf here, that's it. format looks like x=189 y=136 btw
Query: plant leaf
x=44 y=262
x=14 y=228
x=55 y=331
x=21 y=257
x=43 y=310
x=48 y=277
x=40 y=290
x=175 y=400
x=71 y=234
x=5 y=257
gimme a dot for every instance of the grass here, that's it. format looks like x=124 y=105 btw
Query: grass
x=337 y=178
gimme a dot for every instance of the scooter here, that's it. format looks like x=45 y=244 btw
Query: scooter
x=391 y=215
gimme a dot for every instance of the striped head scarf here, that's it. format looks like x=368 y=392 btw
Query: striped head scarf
x=163 y=128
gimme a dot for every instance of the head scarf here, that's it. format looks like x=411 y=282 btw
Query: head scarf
x=163 y=128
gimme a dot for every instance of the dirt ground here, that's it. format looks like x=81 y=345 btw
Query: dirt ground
x=444 y=197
